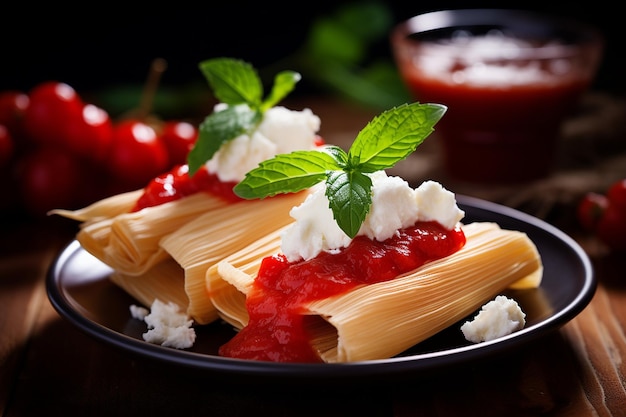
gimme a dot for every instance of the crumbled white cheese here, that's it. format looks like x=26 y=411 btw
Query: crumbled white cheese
x=497 y=318
x=167 y=326
x=138 y=312
x=435 y=203
x=281 y=131
x=395 y=205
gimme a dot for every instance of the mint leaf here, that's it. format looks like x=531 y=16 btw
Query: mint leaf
x=340 y=156
x=237 y=84
x=219 y=128
x=387 y=139
x=393 y=135
x=284 y=83
x=233 y=81
x=286 y=173
x=350 y=198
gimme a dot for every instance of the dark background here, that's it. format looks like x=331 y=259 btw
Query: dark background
x=97 y=45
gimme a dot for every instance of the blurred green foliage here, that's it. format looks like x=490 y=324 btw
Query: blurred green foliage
x=345 y=53
x=342 y=55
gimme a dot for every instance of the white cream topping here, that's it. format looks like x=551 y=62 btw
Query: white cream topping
x=167 y=325
x=281 y=131
x=395 y=205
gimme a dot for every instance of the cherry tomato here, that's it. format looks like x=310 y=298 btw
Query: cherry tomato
x=617 y=194
x=91 y=135
x=179 y=138
x=49 y=178
x=612 y=227
x=53 y=107
x=13 y=104
x=7 y=146
x=605 y=215
x=137 y=154
x=590 y=210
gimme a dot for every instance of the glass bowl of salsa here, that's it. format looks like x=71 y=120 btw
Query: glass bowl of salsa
x=509 y=79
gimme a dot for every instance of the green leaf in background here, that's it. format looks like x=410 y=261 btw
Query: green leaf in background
x=341 y=55
x=376 y=14
x=169 y=102
x=330 y=41
x=381 y=90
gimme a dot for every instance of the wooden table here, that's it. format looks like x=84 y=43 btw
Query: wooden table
x=49 y=367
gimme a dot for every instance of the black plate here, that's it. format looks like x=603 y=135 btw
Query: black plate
x=80 y=291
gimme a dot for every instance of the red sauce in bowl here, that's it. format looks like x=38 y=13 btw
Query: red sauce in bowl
x=496 y=133
x=509 y=79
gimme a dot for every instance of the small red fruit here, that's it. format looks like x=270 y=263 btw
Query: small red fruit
x=49 y=178
x=605 y=215
x=53 y=107
x=137 y=154
x=179 y=138
x=90 y=137
x=591 y=209
x=13 y=104
x=617 y=194
x=7 y=146
x=612 y=227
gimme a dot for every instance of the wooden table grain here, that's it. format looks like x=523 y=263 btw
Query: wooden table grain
x=49 y=367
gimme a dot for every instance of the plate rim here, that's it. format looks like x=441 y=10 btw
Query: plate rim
x=382 y=367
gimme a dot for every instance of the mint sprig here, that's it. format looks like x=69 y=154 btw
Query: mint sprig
x=387 y=139
x=237 y=84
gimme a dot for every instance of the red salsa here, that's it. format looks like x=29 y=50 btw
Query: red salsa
x=282 y=289
x=177 y=183
x=512 y=126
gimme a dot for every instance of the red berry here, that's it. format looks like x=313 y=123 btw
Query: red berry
x=53 y=107
x=7 y=146
x=617 y=194
x=49 y=178
x=91 y=135
x=591 y=209
x=179 y=138
x=612 y=227
x=13 y=104
x=137 y=154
